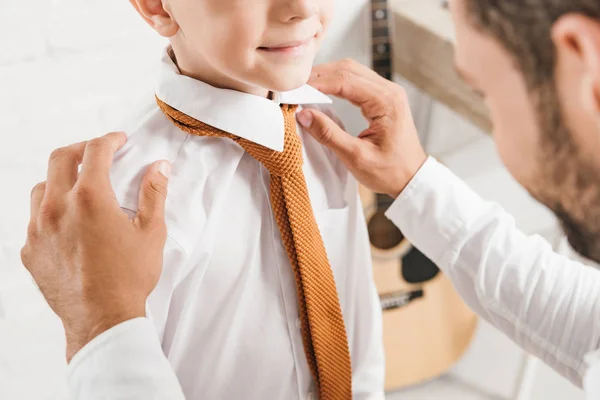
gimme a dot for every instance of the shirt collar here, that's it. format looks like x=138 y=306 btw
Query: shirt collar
x=254 y=118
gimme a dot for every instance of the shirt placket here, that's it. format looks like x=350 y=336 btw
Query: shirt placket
x=305 y=386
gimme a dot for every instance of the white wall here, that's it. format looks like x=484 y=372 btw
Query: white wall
x=68 y=71
x=67 y=68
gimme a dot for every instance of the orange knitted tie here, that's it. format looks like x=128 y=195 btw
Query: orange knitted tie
x=323 y=330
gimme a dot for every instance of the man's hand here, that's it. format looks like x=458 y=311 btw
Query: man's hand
x=385 y=156
x=94 y=265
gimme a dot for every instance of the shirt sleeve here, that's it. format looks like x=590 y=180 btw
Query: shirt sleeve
x=125 y=362
x=543 y=301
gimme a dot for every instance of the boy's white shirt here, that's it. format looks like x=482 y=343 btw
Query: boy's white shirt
x=545 y=302
x=225 y=310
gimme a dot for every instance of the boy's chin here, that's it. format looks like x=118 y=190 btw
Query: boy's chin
x=288 y=78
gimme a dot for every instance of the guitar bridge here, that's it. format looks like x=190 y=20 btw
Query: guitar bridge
x=392 y=301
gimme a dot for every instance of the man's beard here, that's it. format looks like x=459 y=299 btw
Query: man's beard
x=566 y=183
x=583 y=240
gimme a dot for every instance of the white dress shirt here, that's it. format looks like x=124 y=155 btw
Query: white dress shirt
x=225 y=308
x=545 y=302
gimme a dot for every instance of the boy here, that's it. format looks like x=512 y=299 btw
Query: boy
x=229 y=294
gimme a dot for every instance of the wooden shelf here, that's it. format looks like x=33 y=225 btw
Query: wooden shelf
x=423 y=53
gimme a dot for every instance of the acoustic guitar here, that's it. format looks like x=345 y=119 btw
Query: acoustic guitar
x=427 y=327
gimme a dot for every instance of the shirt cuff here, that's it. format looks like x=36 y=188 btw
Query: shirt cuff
x=125 y=361
x=103 y=340
x=433 y=210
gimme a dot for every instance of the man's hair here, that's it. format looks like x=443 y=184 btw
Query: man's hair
x=524 y=28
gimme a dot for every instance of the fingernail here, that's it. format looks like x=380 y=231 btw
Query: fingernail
x=305 y=118
x=165 y=169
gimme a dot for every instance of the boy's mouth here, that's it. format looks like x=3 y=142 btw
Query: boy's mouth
x=296 y=47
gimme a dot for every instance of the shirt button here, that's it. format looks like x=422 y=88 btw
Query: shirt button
x=298 y=323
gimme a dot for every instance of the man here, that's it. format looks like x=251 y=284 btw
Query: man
x=537 y=63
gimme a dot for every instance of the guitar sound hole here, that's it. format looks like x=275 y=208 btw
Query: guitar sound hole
x=383 y=234
x=417 y=268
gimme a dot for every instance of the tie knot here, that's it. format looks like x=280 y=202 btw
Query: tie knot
x=278 y=163
x=290 y=159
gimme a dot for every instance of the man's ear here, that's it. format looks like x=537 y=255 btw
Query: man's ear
x=156 y=15
x=577 y=38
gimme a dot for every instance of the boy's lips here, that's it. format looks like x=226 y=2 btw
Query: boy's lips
x=291 y=48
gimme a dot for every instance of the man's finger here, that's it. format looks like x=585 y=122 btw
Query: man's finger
x=328 y=133
x=346 y=85
x=37 y=195
x=63 y=168
x=348 y=65
x=153 y=194
x=98 y=156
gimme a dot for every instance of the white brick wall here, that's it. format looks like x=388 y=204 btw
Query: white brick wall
x=71 y=69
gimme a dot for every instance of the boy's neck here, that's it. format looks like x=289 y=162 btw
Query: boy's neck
x=215 y=79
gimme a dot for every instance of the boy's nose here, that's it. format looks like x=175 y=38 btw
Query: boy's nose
x=299 y=9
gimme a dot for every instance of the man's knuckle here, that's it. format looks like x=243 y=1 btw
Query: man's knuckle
x=26 y=257
x=58 y=154
x=38 y=188
x=84 y=195
x=326 y=134
x=344 y=75
x=100 y=143
x=399 y=96
x=347 y=63
x=357 y=154
x=153 y=224
x=32 y=231
x=389 y=97
x=50 y=214
x=157 y=188
x=159 y=227
x=390 y=104
x=400 y=90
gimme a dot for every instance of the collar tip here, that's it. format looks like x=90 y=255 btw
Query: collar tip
x=279 y=146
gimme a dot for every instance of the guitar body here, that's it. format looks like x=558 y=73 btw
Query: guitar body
x=427 y=327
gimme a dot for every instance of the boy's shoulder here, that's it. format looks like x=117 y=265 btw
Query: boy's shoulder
x=339 y=186
x=150 y=138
